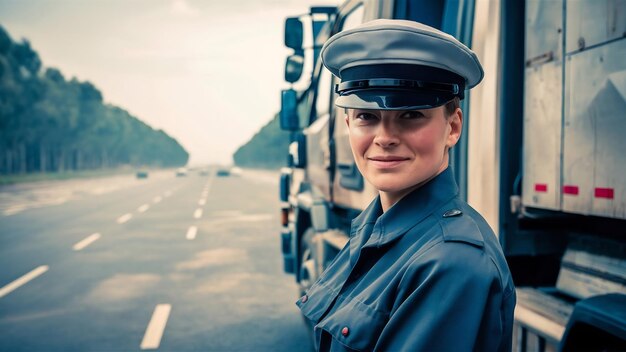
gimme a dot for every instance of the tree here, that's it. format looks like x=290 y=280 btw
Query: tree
x=266 y=149
x=48 y=123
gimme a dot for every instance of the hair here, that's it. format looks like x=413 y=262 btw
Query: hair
x=452 y=105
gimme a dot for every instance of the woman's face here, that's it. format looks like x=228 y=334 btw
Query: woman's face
x=398 y=151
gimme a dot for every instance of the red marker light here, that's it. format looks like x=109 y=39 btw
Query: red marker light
x=571 y=190
x=604 y=193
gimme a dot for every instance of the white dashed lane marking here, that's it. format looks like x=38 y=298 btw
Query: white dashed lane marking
x=122 y=219
x=202 y=202
x=157 y=199
x=87 y=241
x=198 y=213
x=23 y=280
x=154 y=331
x=191 y=232
x=143 y=208
x=206 y=189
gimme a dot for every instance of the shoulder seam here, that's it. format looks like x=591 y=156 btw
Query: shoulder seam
x=470 y=241
x=420 y=255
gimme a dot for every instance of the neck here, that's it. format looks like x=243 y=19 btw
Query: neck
x=388 y=199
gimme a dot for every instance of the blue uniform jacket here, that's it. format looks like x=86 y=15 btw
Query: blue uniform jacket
x=427 y=275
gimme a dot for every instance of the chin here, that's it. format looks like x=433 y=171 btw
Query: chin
x=389 y=183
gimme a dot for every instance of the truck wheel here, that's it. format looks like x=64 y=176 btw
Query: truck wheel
x=308 y=273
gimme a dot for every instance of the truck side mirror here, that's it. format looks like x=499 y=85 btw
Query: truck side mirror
x=293 y=68
x=294 y=33
x=289 y=120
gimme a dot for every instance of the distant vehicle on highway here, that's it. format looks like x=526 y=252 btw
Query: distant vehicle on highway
x=223 y=172
x=181 y=172
x=228 y=171
x=204 y=172
x=142 y=174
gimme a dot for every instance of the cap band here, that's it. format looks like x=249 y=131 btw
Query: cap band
x=349 y=86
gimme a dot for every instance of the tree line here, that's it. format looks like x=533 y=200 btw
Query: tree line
x=267 y=149
x=50 y=124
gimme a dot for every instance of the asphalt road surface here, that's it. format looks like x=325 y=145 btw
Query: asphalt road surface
x=164 y=263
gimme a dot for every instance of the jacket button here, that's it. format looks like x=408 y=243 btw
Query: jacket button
x=304 y=298
x=452 y=212
x=345 y=331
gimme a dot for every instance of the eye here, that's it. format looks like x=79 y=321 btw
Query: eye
x=409 y=115
x=366 y=117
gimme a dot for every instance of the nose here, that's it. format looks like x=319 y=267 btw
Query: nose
x=386 y=134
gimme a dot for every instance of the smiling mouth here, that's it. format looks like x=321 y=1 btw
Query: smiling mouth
x=386 y=162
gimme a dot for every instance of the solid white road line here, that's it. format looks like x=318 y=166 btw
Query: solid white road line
x=198 y=213
x=143 y=208
x=191 y=233
x=157 y=199
x=14 y=209
x=22 y=280
x=154 y=331
x=202 y=202
x=122 y=219
x=87 y=241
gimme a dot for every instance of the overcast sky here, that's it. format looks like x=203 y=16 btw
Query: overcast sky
x=207 y=72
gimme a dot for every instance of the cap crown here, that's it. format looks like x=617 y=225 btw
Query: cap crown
x=382 y=42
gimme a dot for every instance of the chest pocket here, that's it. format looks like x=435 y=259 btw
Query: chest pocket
x=353 y=326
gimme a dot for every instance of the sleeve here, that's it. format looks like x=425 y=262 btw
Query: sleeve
x=443 y=299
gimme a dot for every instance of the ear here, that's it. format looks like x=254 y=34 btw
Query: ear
x=456 y=126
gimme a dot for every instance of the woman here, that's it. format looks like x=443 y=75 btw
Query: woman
x=422 y=270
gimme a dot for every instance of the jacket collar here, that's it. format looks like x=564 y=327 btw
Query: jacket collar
x=408 y=211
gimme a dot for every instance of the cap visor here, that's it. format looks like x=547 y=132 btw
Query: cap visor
x=372 y=99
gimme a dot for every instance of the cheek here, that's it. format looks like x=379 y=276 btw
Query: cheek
x=428 y=141
x=359 y=141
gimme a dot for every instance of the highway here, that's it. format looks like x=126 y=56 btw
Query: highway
x=165 y=263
